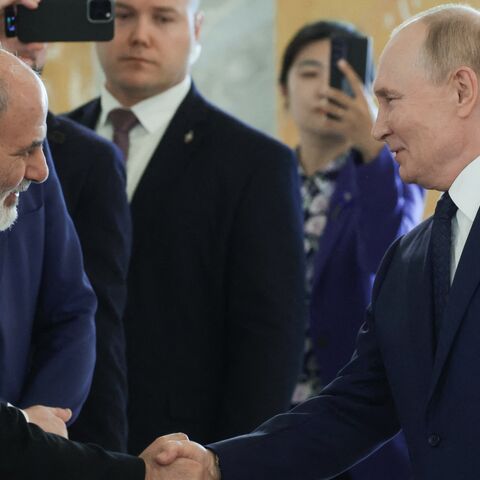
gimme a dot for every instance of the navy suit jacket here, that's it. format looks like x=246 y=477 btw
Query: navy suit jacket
x=215 y=313
x=27 y=452
x=92 y=175
x=398 y=377
x=47 y=333
x=369 y=209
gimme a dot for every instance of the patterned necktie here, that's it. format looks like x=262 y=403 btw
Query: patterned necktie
x=441 y=255
x=123 y=121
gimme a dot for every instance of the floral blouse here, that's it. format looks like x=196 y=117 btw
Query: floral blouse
x=316 y=191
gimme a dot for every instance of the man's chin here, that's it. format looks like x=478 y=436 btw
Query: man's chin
x=8 y=216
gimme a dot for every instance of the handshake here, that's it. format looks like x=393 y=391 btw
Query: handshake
x=171 y=457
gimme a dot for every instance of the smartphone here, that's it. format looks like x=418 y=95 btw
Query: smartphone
x=62 y=21
x=357 y=51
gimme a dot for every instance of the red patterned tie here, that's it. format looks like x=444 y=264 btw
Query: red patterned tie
x=123 y=121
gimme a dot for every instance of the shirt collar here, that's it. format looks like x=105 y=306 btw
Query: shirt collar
x=151 y=111
x=464 y=190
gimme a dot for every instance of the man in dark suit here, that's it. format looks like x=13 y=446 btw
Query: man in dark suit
x=215 y=311
x=417 y=356
x=47 y=335
x=92 y=176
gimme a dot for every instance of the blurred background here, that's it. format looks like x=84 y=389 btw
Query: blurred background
x=242 y=41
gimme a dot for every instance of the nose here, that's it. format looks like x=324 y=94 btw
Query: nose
x=139 y=34
x=36 y=169
x=380 y=129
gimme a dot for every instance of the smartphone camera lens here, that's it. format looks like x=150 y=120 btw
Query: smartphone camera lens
x=100 y=11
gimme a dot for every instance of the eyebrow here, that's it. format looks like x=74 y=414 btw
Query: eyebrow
x=385 y=92
x=32 y=146
x=160 y=9
x=311 y=63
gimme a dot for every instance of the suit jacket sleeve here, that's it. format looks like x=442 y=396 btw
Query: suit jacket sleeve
x=386 y=201
x=102 y=218
x=63 y=350
x=328 y=434
x=26 y=452
x=265 y=304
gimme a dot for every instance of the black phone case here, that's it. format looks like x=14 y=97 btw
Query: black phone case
x=357 y=51
x=61 y=21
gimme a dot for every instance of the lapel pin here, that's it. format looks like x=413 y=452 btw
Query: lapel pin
x=188 y=138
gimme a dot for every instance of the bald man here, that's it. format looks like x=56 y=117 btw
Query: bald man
x=417 y=357
x=47 y=334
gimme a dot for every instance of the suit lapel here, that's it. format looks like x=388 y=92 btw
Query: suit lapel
x=466 y=281
x=337 y=218
x=87 y=114
x=176 y=149
x=3 y=251
x=420 y=326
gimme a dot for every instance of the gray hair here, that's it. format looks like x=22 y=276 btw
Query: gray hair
x=452 y=39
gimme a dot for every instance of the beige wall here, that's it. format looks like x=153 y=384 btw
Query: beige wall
x=375 y=17
x=69 y=75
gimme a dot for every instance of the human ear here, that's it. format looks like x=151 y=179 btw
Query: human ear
x=465 y=83
x=198 y=22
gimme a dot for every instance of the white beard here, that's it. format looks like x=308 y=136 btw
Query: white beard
x=8 y=215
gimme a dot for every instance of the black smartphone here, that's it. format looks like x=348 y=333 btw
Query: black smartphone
x=62 y=21
x=357 y=51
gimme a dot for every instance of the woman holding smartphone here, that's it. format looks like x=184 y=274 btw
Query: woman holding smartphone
x=355 y=205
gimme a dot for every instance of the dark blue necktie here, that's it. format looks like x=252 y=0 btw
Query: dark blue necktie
x=441 y=255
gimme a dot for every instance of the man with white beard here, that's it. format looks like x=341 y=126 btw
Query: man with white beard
x=47 y=306
x=8 y=209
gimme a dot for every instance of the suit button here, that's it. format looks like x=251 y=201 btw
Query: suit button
x=434 y=440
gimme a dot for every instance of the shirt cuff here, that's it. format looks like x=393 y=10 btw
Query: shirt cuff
x=25 y=414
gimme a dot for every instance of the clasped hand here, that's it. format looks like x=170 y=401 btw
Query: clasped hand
x=174 y=457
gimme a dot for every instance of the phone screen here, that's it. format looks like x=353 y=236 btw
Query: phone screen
x=10 y=20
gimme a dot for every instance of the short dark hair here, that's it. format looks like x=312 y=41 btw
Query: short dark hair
x=312 y=32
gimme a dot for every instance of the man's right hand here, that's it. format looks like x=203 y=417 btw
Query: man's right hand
x=50 y=419
x=174 y=457
x=26 y=3
x=173 y=451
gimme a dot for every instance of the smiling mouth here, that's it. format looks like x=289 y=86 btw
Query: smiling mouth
x=396 y=152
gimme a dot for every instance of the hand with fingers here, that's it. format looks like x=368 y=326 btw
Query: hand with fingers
x=26 y=3
x=353 y=117
x=180 y=463
x=50 y=419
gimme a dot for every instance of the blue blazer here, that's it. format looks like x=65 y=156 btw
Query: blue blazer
x=398 y=377
x=215 y=314
x=369 y=209
x=47 y=333
x=92 y=175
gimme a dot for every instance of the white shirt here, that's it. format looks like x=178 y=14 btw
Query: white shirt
x=154 y=115
x=465 y=193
